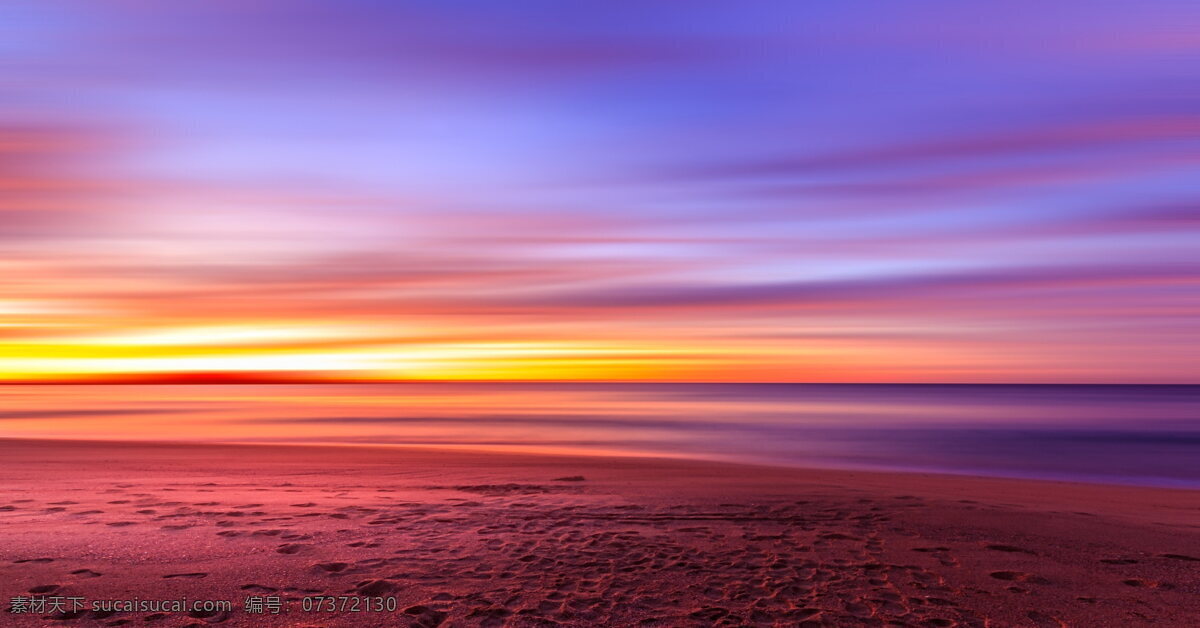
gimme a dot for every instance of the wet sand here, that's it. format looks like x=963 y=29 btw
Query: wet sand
x=461 y=538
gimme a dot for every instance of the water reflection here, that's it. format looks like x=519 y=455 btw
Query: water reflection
x=1132 y=434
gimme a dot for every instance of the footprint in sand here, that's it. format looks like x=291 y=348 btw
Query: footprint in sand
x=290 y=548
x=259 y=588
x=838 y=536
x=34 y=560
x=332 y=567
x=426 y=616
x=1019 y=576
x=374 y=588
x=45 y=588
x=1042 y=620
x=211 y=617
x=198 y=574
x=1139 y=583
x=1009 y=548
x=86 y=573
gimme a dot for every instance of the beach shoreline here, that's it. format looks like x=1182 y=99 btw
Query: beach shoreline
x=458 y=537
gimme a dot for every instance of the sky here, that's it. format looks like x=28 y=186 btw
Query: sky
x=703 y=191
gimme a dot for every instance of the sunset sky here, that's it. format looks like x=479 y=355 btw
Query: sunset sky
x=701 y=191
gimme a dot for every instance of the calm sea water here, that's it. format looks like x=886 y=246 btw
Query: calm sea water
x=1124 y=434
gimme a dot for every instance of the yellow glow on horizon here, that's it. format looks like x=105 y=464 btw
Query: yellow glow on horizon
x=425 y=349
x=217 y=350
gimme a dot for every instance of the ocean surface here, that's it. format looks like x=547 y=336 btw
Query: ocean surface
x=1146 y=435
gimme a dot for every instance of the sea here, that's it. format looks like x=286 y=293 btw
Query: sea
x=1136 y=434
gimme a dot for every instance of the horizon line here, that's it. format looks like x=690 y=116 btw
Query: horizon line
x=277 y=381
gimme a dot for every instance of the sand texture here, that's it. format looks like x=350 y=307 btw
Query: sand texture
x=486 y=539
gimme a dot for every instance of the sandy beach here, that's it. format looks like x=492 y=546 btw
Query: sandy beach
x=437 y=537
